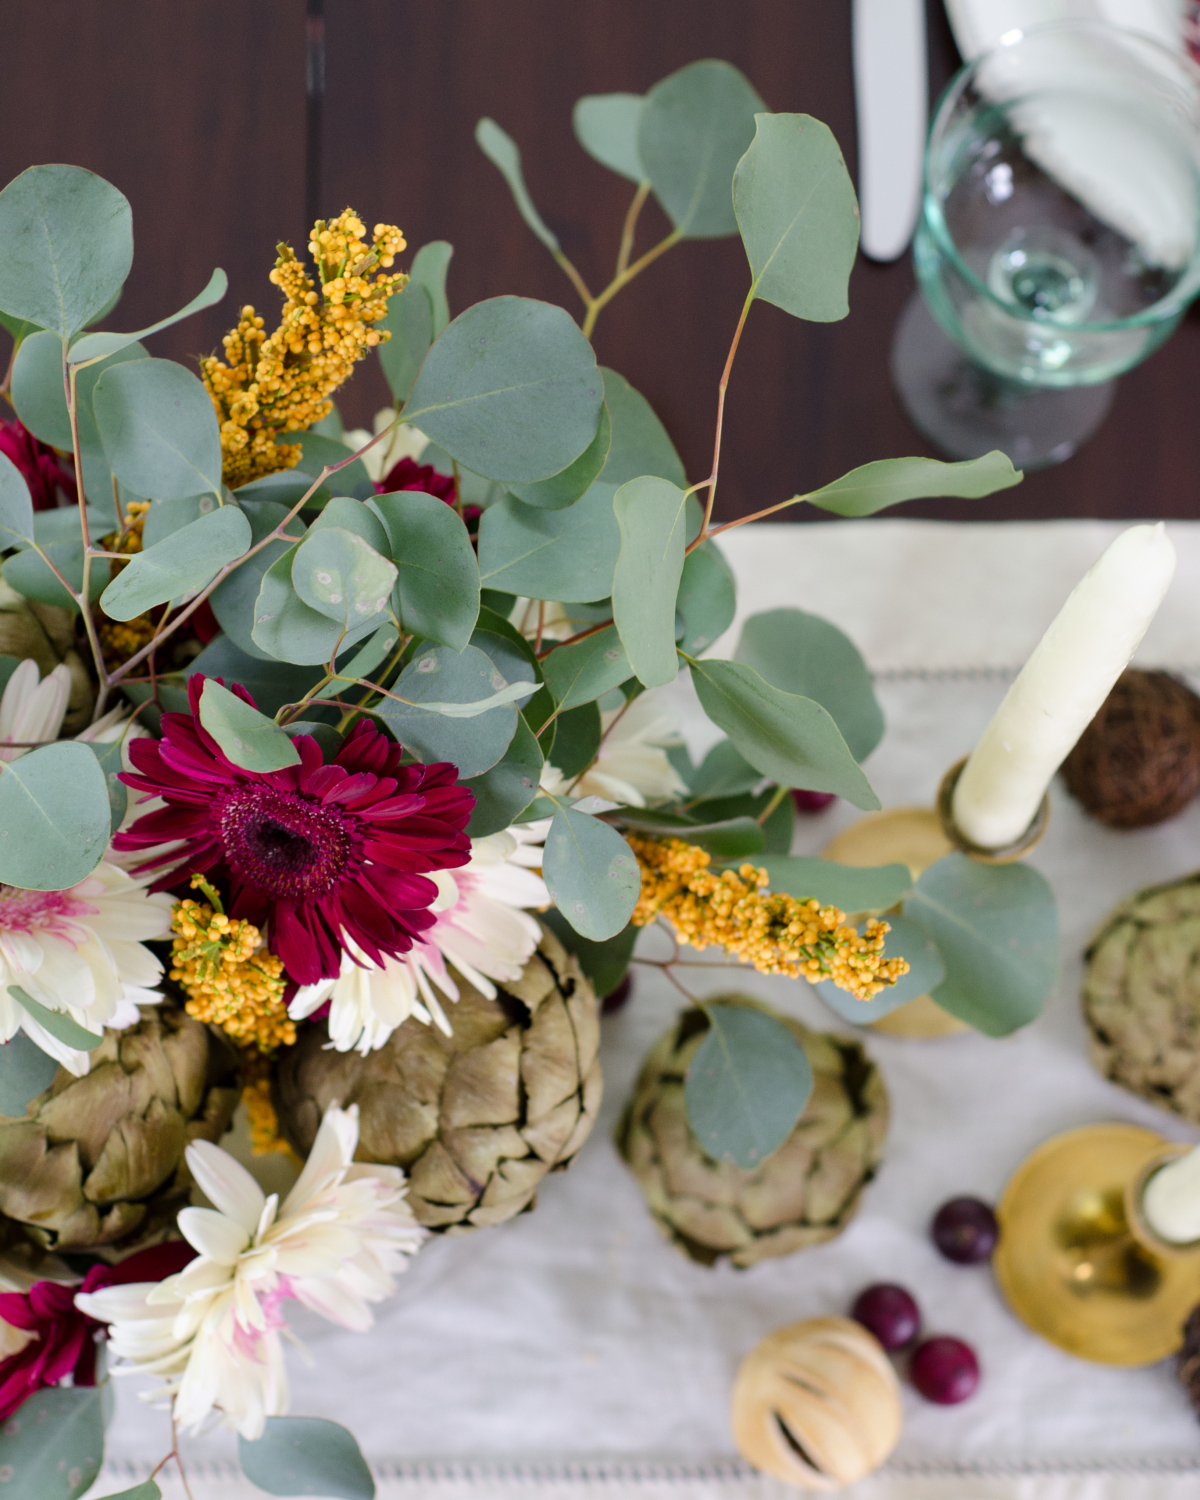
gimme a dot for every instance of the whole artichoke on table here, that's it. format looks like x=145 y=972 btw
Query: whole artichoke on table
x=477 y=1118
x=98 y=1160
x=805 y=1192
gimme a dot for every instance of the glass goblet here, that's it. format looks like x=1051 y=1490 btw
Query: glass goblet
x=1059 y=241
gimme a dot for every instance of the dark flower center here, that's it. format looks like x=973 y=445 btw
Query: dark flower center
x=289 y=844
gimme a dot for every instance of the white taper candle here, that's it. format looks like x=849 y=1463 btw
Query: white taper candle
x=1171 y=1200
x=1064 y=682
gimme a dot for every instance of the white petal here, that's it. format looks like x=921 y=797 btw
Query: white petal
x=215 y=1236
x=226 y=1184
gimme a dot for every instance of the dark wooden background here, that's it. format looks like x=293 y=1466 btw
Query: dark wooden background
x=196 y=109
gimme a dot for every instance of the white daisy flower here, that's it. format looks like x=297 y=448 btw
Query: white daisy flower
x=483 y=928
x=405 y=441
x=632 y=767
x=79 y=951
x=214 y=1329
x=32 y=708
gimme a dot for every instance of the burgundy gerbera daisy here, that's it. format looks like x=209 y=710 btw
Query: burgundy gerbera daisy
x=40 y=465
x=407 y=474
x=315 y=850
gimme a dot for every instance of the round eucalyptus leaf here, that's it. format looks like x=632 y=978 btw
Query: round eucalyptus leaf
x=591 y=874
x=606 y=126
x=159 y=429
x=54 y=815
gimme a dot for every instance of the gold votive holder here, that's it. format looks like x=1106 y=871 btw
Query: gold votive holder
x=1002 y=856
x=1139 y=1225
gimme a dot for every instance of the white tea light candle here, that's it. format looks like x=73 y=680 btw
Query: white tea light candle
x=1064 y=682
x=1171 y=1200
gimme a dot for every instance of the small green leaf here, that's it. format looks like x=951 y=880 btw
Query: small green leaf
x=51 y=1448
x=724 y=772
x=437 y=583
x=606 y=126
x=576 y=740
x=568 y=555
x=353 y=515
x=410 y=322
x=605 y=963
x=510 y=389
x=890 y=481
x=271 y=683
x=591 y=874
x=640 y=443
x=428 y=269
x=362 y=663
x=907 y=939
x=68 y=246
x=342 y=577
x=440 y=675
x=318 y=452
x=185 y=560
x=25 y=1072
x=852 y=887
x=145 y=1491
x=159 y=429
x=586 y=670
x=504 y=792
x=746 y=1085
x=996 y=928
x=101 y=345
x=576 y=479
x=60 y=1025
x=694 y=128
x=306 y=1456
x=502 y=151
x=790 y=739
x=108 y=753
x=54 y=817
x=798 y=215
x=234 y=598
x=248 y=738
x=707 y=598
x=805 y=654
x=287 y=629
x=724 y=838
x=16 y=507
x=651 y=514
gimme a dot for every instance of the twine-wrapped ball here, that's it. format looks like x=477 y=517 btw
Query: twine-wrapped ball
x=1138 y=761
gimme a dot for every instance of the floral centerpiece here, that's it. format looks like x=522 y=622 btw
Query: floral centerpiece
x=321 y=748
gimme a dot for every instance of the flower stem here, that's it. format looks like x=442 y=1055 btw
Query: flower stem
x=84 y=595
x=630 y=229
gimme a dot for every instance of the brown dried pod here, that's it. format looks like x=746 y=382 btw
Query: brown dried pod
x=47 y=635
x=1138 y=761
x=817 y=1404
x=478 y=1118
x=98 y=1160
x=1141 y=996
x=805 y=1192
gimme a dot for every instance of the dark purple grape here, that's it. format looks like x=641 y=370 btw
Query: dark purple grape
x=616 y=998
x=811 y=802
x=890 y=1313
x=965 y=1230
x=945 y=1370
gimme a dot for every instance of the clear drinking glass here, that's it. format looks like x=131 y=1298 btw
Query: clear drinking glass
x=1059 y=242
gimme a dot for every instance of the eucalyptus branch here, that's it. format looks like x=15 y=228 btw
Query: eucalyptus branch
x=780 y=793
x=600 y=302
x=721 y=390
x=46 y=558
x=84 y=597
x=759 y=514
x=570 y=641
x=630 y=228
x=576 y=279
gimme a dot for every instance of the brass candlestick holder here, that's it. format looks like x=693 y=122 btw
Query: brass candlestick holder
x=917 y=837
x=1077 y=1260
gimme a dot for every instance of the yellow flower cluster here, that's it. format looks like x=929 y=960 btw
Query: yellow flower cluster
x=229 y=978
x=775 y=932
x=261 y=1117
x=120 y=639
x=281 y=382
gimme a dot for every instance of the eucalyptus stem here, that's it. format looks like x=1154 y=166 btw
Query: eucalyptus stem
x=780 y=793
x=722 y=388
x=84 y=595
x=600 y=302
x=630 y=228
x=576 y=279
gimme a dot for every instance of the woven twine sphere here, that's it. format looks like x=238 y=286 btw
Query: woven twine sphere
x=1138 y=761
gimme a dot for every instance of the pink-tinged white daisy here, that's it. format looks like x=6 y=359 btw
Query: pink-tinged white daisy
x=483 y=928
x=213 y=1331
x=32 y=708
x=79 y=951
x=631 y=766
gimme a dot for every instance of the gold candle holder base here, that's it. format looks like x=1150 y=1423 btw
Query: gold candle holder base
x=1075 y=1259
x=1002 y=856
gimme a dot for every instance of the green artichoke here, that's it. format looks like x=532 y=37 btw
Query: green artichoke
x=1141 y=996
x=98 y=1160
x=47 y=634
x=478 y=1118
x=806 y=1191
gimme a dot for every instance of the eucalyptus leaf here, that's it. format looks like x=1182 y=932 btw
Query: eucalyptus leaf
x=746 y=1085
x=181 y=563
x=575 y=480
x=907 y=939
x=68 y=247
x=306 y=1456
x=167 y=516
x=640 y=444
x=318 y=452
x=996 y=928
x=16 y=507
x=19 y=328
x=342 y=577
x=606 y=126
x=734 y=839
x=148 y=1490
x=269 y=682
x=25 y=1072
x=707 y=598
x=567 y=555
x=428 y=269
x=410 y=322
x=159 y=429
x=852 y=887
x=108 y=753
x=54 y=816
x=437 y=583
x=510 y=389
x=695 y=126
x=506 y=790
x=234 y=598
x=513 y=654
x=651 y=515
x=810 y=656
x=8 y=665
x=440 y=675
x=248 y=738
x=724 y=772
x=586 y=670
x=502 y=151
x=791 y=739
x=29 y=574
x=577 y=740
x=798 y=215
x=357 y=516
x=605 y=963
x=101 y=345
x=363 y=662
x=287 y=629
x=60 y=1025
x=591 y=874
x=890 y=481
